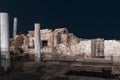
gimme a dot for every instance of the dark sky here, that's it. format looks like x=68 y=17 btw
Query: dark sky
x=84 y=18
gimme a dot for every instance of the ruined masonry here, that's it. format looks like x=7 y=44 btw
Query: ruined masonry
x=59 y=44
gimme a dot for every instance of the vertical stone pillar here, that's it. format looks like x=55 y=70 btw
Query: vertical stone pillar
x=37 y=42
x=4 y=40
x=15 y=27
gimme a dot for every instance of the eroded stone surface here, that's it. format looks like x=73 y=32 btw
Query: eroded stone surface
x=59 y=43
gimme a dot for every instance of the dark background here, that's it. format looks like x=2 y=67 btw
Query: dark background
x=84 y=18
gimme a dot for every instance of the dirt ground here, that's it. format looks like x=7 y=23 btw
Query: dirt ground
x=50 y=72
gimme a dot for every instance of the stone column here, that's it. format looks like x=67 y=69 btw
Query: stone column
x=37 y=42
x=4 y=40
x=15 y=27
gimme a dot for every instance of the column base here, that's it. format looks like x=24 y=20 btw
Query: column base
x=5 y=65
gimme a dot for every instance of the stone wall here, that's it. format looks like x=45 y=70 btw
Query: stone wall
x=47 y=35
x=60 y=43
x=85 y=48
x=112 y=47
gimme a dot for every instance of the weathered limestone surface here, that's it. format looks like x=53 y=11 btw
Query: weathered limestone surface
x=112 y=47
x=60 y=35
x=59 y=44
x=47 y=35
x=63 y=50
x=72 y=39
x=31 y=42
x=85 y=48
x=16 y=45
x=17 y=41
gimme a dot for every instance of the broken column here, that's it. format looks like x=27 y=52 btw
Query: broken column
x=37 y=41
x=4 y=40
x=15 y=27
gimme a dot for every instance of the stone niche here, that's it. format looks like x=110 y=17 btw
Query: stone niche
x=60 y=36
x=97 y=47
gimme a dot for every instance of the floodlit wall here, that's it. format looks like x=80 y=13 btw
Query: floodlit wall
x=85 y=48
x=112 y=47
x=61 y=43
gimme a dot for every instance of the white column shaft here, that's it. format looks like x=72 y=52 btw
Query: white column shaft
x=4 y=34
x=15 y=27
x=37 y=42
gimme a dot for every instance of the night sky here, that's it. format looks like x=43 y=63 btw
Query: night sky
x=84 y=18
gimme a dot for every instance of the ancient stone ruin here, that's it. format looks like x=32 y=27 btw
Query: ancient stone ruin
x=54 y=53
x=59 y=44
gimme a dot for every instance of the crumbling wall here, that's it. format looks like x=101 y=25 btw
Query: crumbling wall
x=25 y=44
x=17 y=41
x=84 y=47
x=61 y=43
x=47 y=35
x=30 y=36
x=60 y=36
x=73 y=40
x=63 y=50
x=16 y=45
x=112 y=47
